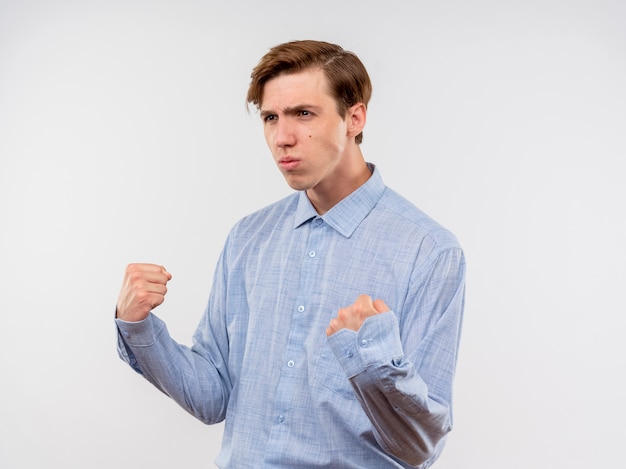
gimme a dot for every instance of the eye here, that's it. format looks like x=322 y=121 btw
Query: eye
x=304 y=113
x=269 y=118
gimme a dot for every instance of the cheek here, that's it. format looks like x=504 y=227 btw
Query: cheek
x=268 y=134
x=269 y=140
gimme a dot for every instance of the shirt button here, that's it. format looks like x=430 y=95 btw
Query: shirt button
x=301 y=309
x=318 y=221
x=291 y=363
x=311 y=253
x=349 y=353
x=281 y=418
x=364 y=343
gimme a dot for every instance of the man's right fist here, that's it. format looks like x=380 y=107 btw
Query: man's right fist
x=144 y=289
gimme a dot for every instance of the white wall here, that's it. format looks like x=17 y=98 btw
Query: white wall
x=124 y=137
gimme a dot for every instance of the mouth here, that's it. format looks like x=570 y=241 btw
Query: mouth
x=288 y=163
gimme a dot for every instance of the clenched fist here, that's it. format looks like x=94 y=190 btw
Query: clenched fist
x=352 y=317
x=144 y=289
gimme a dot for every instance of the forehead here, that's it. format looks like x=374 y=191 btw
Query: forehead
x=289 y=89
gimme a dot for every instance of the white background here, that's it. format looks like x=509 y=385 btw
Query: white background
x=124 y=137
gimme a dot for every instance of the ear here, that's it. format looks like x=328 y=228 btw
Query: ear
x=356 y=117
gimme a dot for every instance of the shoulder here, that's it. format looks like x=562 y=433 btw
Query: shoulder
x=398 y=212
x=266 y=218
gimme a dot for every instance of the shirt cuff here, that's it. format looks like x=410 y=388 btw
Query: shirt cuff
x=377 y=342
x=137 y=334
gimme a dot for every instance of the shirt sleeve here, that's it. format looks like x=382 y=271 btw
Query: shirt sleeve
x=188 y=377
x=401 y=366
x=197 y=377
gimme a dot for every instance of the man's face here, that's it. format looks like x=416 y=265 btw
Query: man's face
x=305 y=133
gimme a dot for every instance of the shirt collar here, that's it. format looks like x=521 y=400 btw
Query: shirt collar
x=346 y=215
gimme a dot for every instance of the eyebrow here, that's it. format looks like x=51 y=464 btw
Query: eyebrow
x=292 y=110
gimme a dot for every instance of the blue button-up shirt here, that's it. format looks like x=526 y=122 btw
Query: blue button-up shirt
x=291 y=397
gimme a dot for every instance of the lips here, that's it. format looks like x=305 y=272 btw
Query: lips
x=288 y=163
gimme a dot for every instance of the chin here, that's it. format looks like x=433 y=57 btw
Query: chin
x=298 y=187
x=296 y=184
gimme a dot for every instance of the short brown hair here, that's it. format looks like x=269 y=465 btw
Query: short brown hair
x=347 y=77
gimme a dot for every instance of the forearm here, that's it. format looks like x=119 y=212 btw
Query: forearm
x=188 y=377
x=409 y=423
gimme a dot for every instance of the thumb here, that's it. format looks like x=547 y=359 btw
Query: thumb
x=164 y=270
x=380 y=306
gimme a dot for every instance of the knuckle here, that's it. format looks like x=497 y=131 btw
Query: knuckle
x=142 y=296
x=135 y=276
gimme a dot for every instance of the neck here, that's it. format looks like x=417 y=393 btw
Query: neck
x=341 y=186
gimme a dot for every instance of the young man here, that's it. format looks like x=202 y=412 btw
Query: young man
x=331 y=332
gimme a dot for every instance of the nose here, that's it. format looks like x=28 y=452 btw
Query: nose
x=284 y=135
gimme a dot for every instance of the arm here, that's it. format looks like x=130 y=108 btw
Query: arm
x=196 y=378
x=401 y=366
x=190 y=378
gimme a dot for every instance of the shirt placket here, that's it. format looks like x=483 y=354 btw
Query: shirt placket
x=293 y=375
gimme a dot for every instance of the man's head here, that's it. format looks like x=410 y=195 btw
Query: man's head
x=347 y=78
